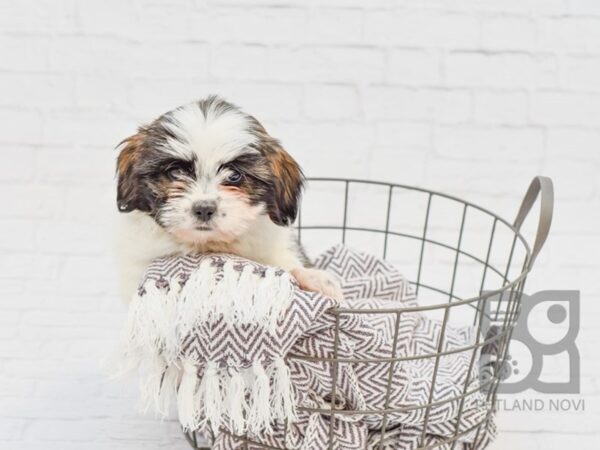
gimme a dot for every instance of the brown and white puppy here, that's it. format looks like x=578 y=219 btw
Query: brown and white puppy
x=207 y=177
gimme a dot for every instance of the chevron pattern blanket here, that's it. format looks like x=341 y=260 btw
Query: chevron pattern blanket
x=231 y=342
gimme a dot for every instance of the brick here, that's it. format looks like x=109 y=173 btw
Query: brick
x=107 y=55
x=112 y=17
x=327 y=64
x=78 y=165
x=10 y=428
x=331 y=102
x=152 y=97
x=39 y=90
x=17 y=234
x=501 y=107
x=18 y=163
x=486 y=175
x=31 y=16
x=569 y=33
x=22 y=201
x=421 y=28
x=171 y=21
x=175 y=60
x=447 y=106
x=508 y=33
x=573 y=144
x=317 y=145
x=584 y=7
x=25 y=126
x=499 y=70
x=565 y=108
x=90 y=91
x=27 y=266
x=13 y=288
x=240 y=62
x=335 y=26
x=86 y=128
x=523 y=7
x=268 y=101
x=581 y=73
x=414 y=67
x=90 y=203
x=319 y=136
x=24 y=53
x=401 y=135
x=409 y=169
x=72 y=319
x=258 y=25
x=490 y=144
x=575 y=180
x=87 y=270
x=69 y=238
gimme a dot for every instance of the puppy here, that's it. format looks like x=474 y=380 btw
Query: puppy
x=207 y=177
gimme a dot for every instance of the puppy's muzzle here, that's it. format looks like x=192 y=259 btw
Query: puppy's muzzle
x=204 y=210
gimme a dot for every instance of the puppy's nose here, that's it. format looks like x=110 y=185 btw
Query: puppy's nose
x=204 y=210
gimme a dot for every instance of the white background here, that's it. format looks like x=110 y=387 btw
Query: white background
x=472 y=98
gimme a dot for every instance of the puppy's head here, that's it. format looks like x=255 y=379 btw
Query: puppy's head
x=206 y=171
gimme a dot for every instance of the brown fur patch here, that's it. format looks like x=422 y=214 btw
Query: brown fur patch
x=128 y=182
x=130 y=153
x=288 y=181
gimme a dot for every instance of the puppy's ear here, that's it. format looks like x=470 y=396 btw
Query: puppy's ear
x=130 y=186
x=288 y=181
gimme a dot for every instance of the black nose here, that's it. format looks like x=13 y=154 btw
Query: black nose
x=204 y=210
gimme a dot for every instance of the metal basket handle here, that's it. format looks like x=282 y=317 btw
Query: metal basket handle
x=545 y=186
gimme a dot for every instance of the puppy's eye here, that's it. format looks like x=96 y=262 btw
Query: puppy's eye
x=175 y=171
x=234 y=177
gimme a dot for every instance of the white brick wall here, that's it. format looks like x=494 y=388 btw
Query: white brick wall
x=469 y=97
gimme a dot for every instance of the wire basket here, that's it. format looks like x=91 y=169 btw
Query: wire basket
x=467 y=265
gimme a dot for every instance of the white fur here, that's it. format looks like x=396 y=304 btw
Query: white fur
x=140 y=240
x=212 y=139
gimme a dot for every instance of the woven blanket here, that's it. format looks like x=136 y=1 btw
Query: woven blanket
x=230 y=342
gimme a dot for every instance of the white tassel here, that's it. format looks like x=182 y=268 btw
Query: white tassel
x=264 y=295
x=236 y=402
x=283 y=298
x=210 y=396
x=143 y=334
x=274 y=295
x=223 y=297
x=259 y=409
x=150 y=383
x=187 y=407
x=168 y=390
x=195 y=295
x=168 y=324
x=282 y=395
x=245 y=294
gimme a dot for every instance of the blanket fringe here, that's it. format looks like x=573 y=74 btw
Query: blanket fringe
x=164 y=312
x=282 y=396
x=210 y=396
x=240 y=297
x=250 y=399
x=193 y=301
x=188 y=407
x=168 y=390
x=259 y=412
x=236 y=406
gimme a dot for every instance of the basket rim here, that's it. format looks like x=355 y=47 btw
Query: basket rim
x=449 y=304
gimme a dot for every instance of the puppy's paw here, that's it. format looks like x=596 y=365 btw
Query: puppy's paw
x=318 y=281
